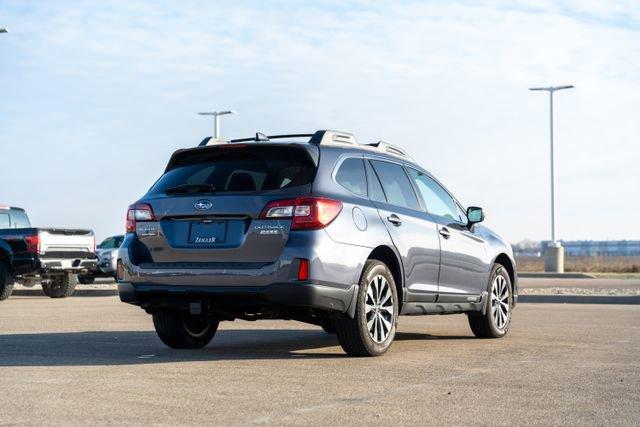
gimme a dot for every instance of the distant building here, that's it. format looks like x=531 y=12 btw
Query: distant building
x=598 y=247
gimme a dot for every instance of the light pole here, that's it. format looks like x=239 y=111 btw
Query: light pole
x=554 y=256
x=216 y=120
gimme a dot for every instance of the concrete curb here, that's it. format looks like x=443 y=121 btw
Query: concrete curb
x=541 y=275
x=580 y=299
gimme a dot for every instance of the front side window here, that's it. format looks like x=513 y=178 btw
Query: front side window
x=438 y=201
x=395 y=184
x=351 y=176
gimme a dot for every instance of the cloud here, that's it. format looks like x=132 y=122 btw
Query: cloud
x=97 y=95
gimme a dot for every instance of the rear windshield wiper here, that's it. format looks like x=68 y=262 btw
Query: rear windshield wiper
x=191 y=188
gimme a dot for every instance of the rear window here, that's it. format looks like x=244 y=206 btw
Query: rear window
x=241 y=169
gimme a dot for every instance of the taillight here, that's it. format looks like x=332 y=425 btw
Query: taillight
x=139 y=212
x=306 y=213
x=33 y=244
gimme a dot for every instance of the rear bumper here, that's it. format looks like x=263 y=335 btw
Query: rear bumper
x=279 y=295
x=32 y=265
x=70 y=265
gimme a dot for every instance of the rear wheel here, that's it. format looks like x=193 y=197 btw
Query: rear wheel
x=371 y=331
x=179 y=329
x=6 y=282
x=497 y=318
x=61 y=286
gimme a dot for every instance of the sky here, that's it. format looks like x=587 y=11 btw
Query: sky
x=95 y=96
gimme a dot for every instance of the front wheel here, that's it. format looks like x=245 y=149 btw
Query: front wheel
x=371 y=331
x=495 y=321
x=179 y=329
x=61 y=286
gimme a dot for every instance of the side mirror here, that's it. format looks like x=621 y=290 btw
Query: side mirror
x=475 y=215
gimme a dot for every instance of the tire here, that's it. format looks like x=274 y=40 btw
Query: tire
x=497 y=318
x=86 y=280
x=61 y=286
x=6 y=282
x=179 y=329
x=371 y=331
x=329 y=327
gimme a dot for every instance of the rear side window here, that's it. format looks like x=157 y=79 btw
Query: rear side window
x=375 y=189
x=244 y=169
x=395 y=184
x=19 y=219
x=351 y=176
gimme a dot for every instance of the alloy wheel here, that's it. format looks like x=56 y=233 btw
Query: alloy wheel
x=379 y=308
x=500 y=302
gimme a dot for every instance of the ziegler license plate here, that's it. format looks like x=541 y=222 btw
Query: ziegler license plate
x=208 y=232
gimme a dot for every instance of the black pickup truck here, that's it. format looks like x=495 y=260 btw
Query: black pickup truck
x=52 y=256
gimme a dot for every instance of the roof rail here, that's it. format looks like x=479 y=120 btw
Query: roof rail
x=334 y=137
x=261 y=137
x=385 y=147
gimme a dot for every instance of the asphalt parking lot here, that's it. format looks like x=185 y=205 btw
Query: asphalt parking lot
x=92 y=359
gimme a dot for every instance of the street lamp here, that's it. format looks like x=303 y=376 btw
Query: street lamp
x=554 y=256
x=216 y=120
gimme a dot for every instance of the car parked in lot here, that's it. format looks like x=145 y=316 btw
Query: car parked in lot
x=316 y=228
x=107 y=253
x=50 y=256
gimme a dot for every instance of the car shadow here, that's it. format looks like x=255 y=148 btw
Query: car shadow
x=140 y=347
x=414 y=336
x=144 y=347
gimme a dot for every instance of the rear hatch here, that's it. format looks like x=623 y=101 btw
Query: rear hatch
x=205 y=209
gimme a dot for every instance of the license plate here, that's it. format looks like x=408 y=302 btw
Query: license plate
x=208 y=232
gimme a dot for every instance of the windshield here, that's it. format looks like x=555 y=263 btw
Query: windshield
x=241 y=169
x=111 y=242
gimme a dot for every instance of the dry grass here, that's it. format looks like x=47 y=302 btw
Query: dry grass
x=621 y=264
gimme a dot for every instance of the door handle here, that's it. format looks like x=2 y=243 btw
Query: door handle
x=395 y=220
x=444 y=232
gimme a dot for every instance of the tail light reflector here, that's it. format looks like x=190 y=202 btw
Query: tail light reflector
x=139 y=212
x=303 y=269
x=306 y=213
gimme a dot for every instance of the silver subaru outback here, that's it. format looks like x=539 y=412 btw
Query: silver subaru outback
x=310 y=227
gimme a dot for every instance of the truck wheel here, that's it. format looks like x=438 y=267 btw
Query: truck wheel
x=179 y=329
x=371 y=331
x=6 y=282
x=497 y=318
x=61 y=286
x=86 y=280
